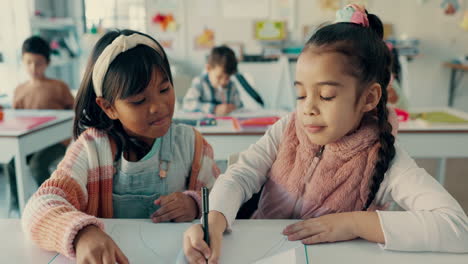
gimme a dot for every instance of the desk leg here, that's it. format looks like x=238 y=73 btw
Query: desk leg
x=441 y=171
x=452 y=86
x=24 y=181
x=5 y=214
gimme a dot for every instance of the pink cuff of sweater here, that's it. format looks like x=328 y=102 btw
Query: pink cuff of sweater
x=74 y=227
x=195 y=196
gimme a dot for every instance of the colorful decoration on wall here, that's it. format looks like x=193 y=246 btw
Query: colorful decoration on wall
x=205 y=40
x=450 y=6
x=165 y=21
x=464 y=23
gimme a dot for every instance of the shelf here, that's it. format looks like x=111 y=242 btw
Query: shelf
x=53 y=23
x=60 y=62
x=463 y=67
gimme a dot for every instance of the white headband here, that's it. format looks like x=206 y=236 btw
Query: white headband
x=121 y=44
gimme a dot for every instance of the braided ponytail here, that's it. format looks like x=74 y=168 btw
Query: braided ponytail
x=386 y=150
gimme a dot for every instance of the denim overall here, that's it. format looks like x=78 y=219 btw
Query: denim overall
x=136 y=185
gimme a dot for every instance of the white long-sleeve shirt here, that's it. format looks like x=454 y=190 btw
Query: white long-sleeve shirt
x=433 y=220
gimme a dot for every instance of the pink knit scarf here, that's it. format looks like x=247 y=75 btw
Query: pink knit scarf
x=303 y=185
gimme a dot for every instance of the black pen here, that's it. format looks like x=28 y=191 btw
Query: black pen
x=205 y=210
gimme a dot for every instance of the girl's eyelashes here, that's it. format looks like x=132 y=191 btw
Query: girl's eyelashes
x=321 y=97
x=165 y=90
x=327 y=98
x=139 y=102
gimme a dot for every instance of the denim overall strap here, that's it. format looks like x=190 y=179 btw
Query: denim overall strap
x=165 y=154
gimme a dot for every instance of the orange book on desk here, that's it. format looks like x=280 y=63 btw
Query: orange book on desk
x=256 y=122
x=24 y=122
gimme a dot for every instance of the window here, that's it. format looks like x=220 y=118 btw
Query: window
x=120 y=14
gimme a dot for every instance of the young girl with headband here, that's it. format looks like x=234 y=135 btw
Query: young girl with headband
x=128 y=159
x=334 y=163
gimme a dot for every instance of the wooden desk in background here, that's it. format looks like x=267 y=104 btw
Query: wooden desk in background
x=455 y=70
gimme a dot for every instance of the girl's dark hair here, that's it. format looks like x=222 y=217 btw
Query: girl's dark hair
x=36 y=45
x=369 y=61
x=128 y=74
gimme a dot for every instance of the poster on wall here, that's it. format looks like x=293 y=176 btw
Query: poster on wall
x=270 y=30
x=204 y=40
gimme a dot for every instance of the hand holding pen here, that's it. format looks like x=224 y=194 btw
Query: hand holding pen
x=205 y=210
x=203 y=243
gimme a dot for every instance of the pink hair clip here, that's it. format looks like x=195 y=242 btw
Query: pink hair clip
x=353 y=13
x=359 y=16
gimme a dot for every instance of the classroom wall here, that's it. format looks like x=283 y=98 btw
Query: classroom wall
x=441 y=39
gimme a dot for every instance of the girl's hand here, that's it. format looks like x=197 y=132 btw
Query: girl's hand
x=177 y=207
x=195 y=248
x=93 y=246
x=327 y=228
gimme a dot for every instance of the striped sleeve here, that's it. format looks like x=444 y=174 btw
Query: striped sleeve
x=56 y=212
x=194 y=100
x=208 y=174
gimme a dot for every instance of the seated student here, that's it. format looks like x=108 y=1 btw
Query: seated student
x=396 y=95
x=39 y=92
x=128 y=159
x=334 y=162
x=214 y=92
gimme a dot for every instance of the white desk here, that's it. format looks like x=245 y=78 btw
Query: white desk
x=20 y=144
x=420 y=141
x=146 y=242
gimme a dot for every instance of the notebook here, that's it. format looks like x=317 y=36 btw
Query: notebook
x=439 y=118
x=253 y=124
x=24 y=122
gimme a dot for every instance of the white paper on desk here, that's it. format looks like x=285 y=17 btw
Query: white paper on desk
x=252 y=241
x=294 y=256
x=143 y=241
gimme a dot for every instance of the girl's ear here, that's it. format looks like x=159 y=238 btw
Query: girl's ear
x=371 y=97
x=107 y=108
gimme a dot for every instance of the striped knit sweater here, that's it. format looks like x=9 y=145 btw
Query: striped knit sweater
x=80 y=191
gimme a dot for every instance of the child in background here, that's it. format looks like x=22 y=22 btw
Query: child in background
x=396 y=96
x=39 y=92
x=334 y=163
x=127 y=161
x=214 y=92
